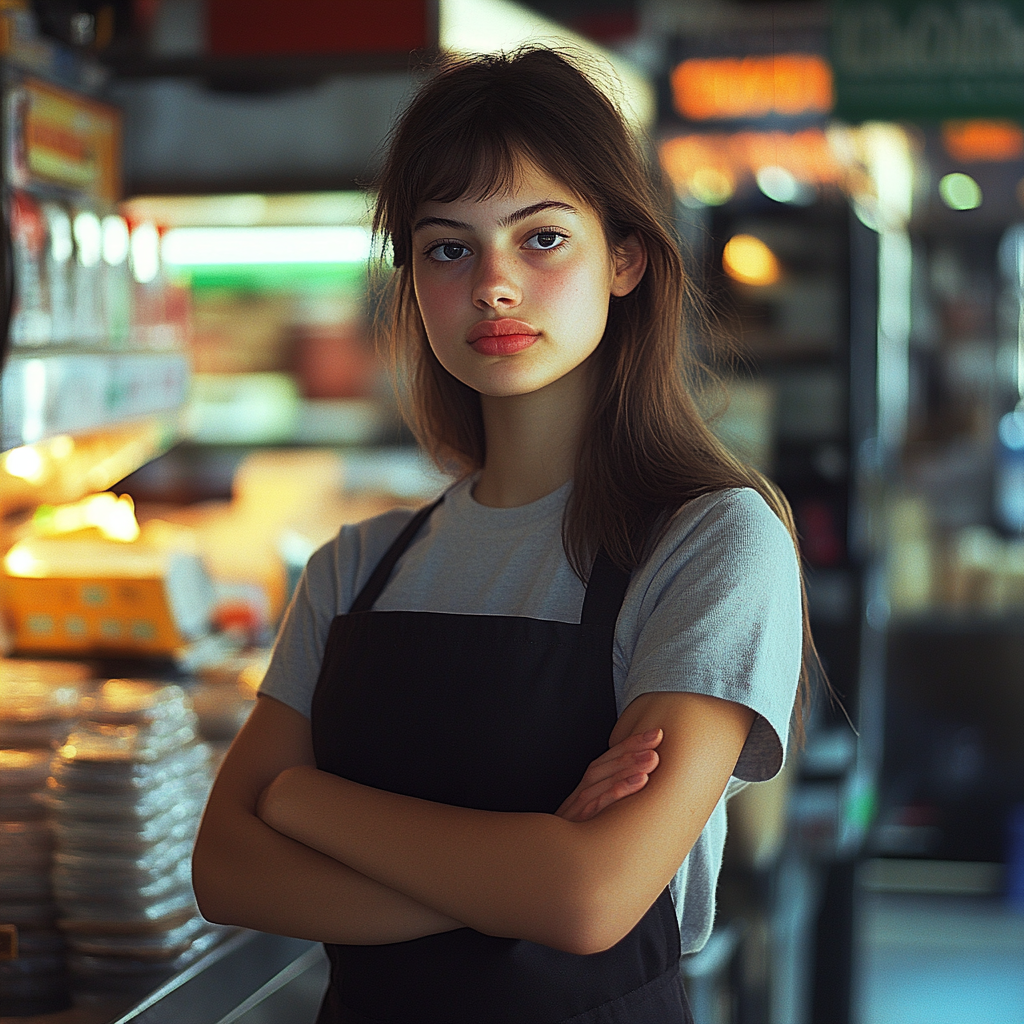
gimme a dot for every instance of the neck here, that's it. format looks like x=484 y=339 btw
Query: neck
x=532 y=441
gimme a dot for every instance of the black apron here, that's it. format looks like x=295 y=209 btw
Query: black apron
x=522 y=706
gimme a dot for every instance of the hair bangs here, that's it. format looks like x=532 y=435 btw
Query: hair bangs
x=477 y=164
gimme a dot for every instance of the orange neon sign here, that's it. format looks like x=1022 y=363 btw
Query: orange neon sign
x=805 y=154
x=983 y=140
x=722 y=88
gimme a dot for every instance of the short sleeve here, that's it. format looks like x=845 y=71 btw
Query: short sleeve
x=717 y=610
x=326 y=589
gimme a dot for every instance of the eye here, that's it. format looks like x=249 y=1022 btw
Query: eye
x=447 y=252
x=546 y=239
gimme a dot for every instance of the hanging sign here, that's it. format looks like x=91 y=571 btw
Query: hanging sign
x=751 y=87
x=928 y=59
x=56 y=137
x=268 y=28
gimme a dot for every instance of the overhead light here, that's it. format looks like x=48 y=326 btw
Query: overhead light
x=88 y=238
x=748 y=260
x=960 y=191
x=983 y=139
x=783 y=186
x=487 y=26
x=59 y=223
x=26 y=463
x=144 y=249
x=712 y=186
x=112 y=516
x=1011 y=431
x=273 y=245
x=115 y=240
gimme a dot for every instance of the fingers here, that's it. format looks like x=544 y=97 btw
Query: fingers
x=610 y=795
x=641 y=763
x=636 y=756
x=638 y=741
x=593 y=795
x=620 y=771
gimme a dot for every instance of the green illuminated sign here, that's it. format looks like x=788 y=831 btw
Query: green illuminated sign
x=928 y=60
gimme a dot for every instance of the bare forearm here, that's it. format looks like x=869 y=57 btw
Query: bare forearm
x=515 y=875
x=575 y=885
x=247 y=874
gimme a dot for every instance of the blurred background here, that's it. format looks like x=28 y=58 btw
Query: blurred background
x=192 y=403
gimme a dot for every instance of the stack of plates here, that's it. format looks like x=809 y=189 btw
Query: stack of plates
x=37 y=703
x=126 y=793
x=38 y=700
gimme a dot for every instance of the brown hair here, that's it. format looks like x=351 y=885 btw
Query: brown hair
x=646 y=451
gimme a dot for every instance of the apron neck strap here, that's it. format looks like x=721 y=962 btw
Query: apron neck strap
x=367 y=597
x=606 y=590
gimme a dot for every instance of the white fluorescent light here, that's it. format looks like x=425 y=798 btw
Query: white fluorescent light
x=485 y=26
x=199 y=247
x=144 y=248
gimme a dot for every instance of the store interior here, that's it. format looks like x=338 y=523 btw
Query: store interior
x=193 y=401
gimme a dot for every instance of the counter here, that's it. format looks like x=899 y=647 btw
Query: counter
x=249 y=978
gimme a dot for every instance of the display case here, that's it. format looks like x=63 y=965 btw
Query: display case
x=955 y=580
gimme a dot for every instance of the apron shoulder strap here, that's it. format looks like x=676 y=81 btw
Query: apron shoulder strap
x=606 y=590
x=367 y=597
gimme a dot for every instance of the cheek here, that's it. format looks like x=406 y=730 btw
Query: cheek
x=438 y=301
x=580 y=295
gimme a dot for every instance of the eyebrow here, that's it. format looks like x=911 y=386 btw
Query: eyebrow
x=513 y=218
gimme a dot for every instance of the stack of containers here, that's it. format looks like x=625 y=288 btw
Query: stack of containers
x=126 y=793
x=38 y=702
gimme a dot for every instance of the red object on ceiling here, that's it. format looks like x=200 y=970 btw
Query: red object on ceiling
x=249 y=28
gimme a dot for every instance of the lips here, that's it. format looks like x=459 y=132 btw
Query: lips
x=502 y=337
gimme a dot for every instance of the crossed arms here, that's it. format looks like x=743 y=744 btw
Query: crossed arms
x=286 y=848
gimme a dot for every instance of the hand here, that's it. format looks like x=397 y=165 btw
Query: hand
x=621 y=771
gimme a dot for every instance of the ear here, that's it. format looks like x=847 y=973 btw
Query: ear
x=630 y=259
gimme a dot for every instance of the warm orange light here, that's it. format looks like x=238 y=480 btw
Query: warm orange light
x=732 y=87
x=983 y=140
x=748 y=260
x=806 y=155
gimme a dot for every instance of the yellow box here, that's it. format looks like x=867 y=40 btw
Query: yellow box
x=90 y=616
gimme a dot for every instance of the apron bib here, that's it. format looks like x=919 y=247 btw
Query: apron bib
x=522 y=706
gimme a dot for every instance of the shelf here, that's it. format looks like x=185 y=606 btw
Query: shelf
x=47 y=392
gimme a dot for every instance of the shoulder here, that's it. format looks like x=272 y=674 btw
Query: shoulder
x=329 y=584
x=737 y=510
x=717 y=610
x=732 y=532
x=337 y=570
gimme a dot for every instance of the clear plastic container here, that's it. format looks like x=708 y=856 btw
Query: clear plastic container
x=156 y=706
x=23 y=769
x=156 y=946
x=25 y=842
x=122 y=744
x=109 y=918
x=178 y=822
x=24 y=883
x=128 y=776
x=140 y=804
x=38 y=701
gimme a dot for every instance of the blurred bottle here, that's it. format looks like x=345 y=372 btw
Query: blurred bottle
x=1009 y=471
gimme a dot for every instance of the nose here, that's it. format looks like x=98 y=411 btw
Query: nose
x=496 y=286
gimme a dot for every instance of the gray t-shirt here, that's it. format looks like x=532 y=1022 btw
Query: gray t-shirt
x=714 y=610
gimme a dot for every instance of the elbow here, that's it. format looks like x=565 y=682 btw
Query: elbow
x=592 y=922
x=599 y=933
x=208 y=886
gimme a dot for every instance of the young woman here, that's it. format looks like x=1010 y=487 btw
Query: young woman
x=489 y=762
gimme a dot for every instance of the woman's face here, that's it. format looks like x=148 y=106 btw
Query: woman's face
x=514 y=289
